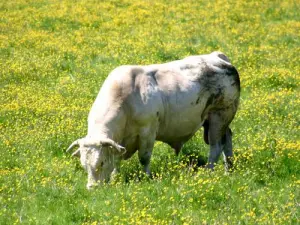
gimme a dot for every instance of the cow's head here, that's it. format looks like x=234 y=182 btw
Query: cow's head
x=99 y=157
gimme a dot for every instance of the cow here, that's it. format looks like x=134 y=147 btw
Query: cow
x=169 y=102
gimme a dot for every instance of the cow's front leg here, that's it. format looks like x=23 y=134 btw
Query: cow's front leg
x=146 y=144
x=227 y=149
x=144 y=157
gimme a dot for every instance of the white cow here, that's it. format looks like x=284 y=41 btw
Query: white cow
x=167 y=102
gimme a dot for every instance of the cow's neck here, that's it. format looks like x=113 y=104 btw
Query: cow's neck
x=106 y=128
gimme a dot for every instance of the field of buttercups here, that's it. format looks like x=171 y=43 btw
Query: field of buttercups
x=54 y=56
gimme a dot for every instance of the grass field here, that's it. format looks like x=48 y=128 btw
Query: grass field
x=54 y=56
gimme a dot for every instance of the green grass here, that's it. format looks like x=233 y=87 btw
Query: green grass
x=54 y=56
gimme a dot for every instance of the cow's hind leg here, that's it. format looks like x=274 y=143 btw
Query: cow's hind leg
x=215 y=133
x=227 y=149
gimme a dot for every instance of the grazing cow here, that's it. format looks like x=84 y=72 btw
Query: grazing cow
x=167 y=102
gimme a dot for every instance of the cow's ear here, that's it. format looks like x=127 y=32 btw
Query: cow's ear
x=76 y=153
x=121 y=149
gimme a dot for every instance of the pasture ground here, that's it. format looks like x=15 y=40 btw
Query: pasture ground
x=54 y=56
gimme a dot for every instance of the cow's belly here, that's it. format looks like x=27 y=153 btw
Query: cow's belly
x=181 y=126
x=182 y=120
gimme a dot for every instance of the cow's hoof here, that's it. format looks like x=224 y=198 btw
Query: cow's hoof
x=91 y=186
x=210 y=167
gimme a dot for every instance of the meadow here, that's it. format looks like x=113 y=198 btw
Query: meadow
x=54 y=56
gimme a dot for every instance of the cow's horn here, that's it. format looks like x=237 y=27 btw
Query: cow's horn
x=110 y=142
x=106 y=142
x=74 y=144
x=78 y=142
